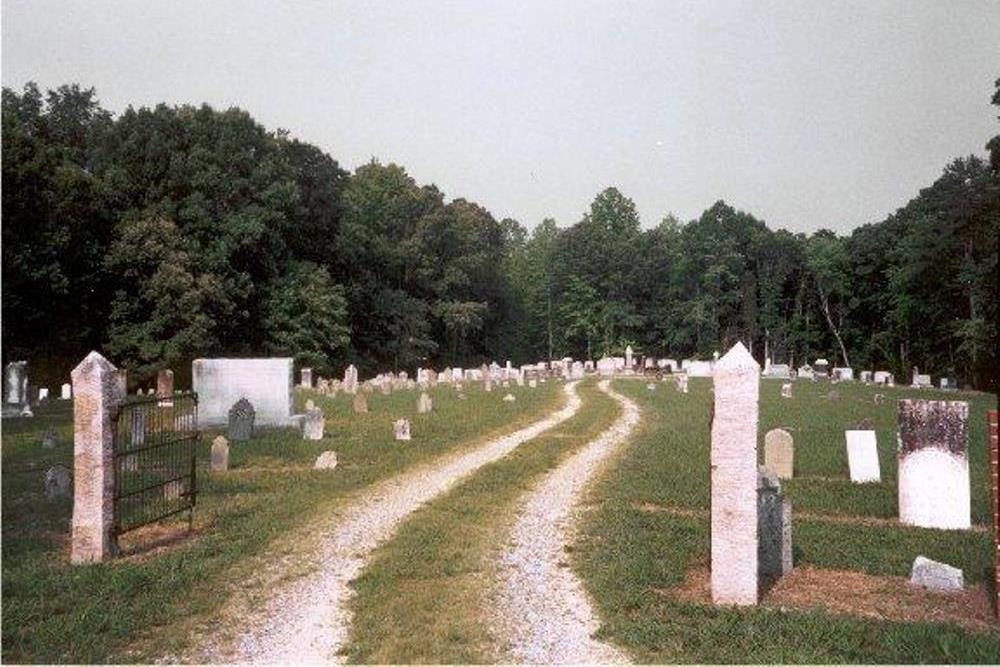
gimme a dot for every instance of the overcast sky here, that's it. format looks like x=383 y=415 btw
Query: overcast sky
x=808 y=114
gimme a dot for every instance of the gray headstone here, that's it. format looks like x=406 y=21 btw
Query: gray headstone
x=313 y=425
x=401 y=429
x=424 y=403
x=220 y=454
x=49 y=438
x=58 y=482
x=241 y=421
x=360 y=403
x=779 y=453
x=936 y=576
x=774 y=545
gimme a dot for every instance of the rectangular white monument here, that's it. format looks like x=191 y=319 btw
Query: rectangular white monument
x=266 y=383
x=862 y=456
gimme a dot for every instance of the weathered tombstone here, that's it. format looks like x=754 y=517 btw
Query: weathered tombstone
x=948 y=384
x=401 y=429
x=682 y=382
x=266 y=383
x=313 y=425
x=165 y=382
x=220 y=454
x=779 y=453
x=424 y=403
x=510 y=398
x=806 y=372
x=628 y=357
x=866 y=377
x=734 y=479
x=306 y=377
x=786 y=390
x=606 y=366
x=843 y=374
x=532 y=383
x=487 y=380
x=935 y=576
x=878 y=399
x=360 y=403
x=934 y=464
x=326 y=461
x=57 y=482
x=67 y=391
x=922 y=381
x=99 y=390
x=821 y=368
x=49 y=438
x=774 y=529
x=242 y=417
x=310 y=404
x=650 y=386
x=882 y=377
x=15 y=382
x=43 y=393
x=862 y=456
x=351 y=380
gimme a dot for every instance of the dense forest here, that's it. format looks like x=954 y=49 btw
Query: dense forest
x=165 y=234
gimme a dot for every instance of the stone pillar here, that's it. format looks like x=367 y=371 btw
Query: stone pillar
x=734 y=478
x=307 y=377
x=933 y=472
x=165 y=383
x=98 y=388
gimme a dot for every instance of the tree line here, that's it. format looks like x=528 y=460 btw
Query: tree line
x=170 y=233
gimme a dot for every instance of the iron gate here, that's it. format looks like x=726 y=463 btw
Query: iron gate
x=155 y=441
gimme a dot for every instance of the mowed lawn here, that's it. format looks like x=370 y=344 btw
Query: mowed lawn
x=147 y=605
x=648 y=531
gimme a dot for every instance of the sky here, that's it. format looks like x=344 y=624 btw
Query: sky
x=807 y=114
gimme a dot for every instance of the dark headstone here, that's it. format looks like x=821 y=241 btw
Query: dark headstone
x=241 y=418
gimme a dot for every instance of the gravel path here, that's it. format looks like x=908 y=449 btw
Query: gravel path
x=308 y=621
x=543 y=611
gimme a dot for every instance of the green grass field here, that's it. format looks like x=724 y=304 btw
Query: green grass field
x=629 y=555
x=136 y=609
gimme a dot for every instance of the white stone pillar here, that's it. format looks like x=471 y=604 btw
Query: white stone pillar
x=307 y=378
x=734 y=478
x=98 y=389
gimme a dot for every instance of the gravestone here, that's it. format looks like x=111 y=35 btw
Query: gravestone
x=866 y=377
x=628 y=357
x=313 y=424
x=15 y=383
x=360 y=403
x=806 y=372
x=779 y=453
x=821 y=368
x=949 y=384
x=49 y=438
x=265 y=383
x=532 y=383
x=165 y=382
x=306 y=378
x=774 y=529
x=509 y=398
x=922 y=381
x=58 y=482
x=43 y=393
x=878 y=399
x=220 y=454
x=310 y=404
x=67 y=391
x=935 y=576
x=843 y=374
x=734 y=527
x=242 y=418
x=933 y=457
x=862 y=456
x=650 y=386
x=779 y=371
x=606 y=366
x=576 y=370
x=401 y=429
x=351 y=380
x=424 y=404
x=682 y=383
x=786 y=390
x=326 y=461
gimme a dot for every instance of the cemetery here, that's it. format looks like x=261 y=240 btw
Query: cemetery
x=807 y=498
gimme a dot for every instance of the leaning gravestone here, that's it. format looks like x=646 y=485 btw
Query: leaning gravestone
x=934 y=464
x=220 y=454
x=241 y=421
x=313 y=424
x=57 y=482
x=734 y=538
x=424 y=403
x=779 y=453
x=360 y=403
x=401 y=429
x=862 y=456
x=326 y=461
x=935 y=576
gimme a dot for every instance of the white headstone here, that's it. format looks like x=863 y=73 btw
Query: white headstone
x=220 y=454
x=313 y=425
x=326 y=461
x=401 y=429
x=67 y=391
x=266 y=383
x=862 y=456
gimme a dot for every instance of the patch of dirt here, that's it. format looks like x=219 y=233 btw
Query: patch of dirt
x=858 y=594
x=155 y=539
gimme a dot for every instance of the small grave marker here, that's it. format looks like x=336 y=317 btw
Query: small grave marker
x=220 y=454
x=241 y=421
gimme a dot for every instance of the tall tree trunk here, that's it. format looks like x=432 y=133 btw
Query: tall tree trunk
x=825 y=302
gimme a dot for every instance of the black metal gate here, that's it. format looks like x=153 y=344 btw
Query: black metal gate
x=155 y=440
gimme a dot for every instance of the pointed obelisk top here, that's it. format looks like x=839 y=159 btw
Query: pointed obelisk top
x=738 y=358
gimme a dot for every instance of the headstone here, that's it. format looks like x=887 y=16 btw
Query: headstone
x=57 y=482
x=220 y=454
x=351 y=380
x=424 y=403
x=265 y=383
x=948 y=384
x=882 y=377
x=310 y=404
x=806 y=372
x=306 y=377
x=326 y=461
x=43 y=393
x=165 y=382
x=360 y=403
x=313 y=425
x=786 y=390
x=67 y=391
x=532 y=383
x=15 y=383
x=699 y=369
x=401 y=429
x=934 y=464
x=878 y=399
x=99 y=390
x=606 y=366
x=509 y=398
x=774 y=529
x=922 y=381
x=734 y=479
x=576 y=370
x=862 y=456
x=866 y=377
x=821 y=368
x=779 y=371
x=779 y=453
x=49 y=438
x=682 y=382
x=935 y=576
x=628 y=357
x=650 y=386
x=242 y=418
x=843 y=374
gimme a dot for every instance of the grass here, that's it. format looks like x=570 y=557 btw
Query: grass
x=422 y=599
x=628 y=556
x=139 y=608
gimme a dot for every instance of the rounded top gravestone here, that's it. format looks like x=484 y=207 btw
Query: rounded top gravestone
x=241 y=421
